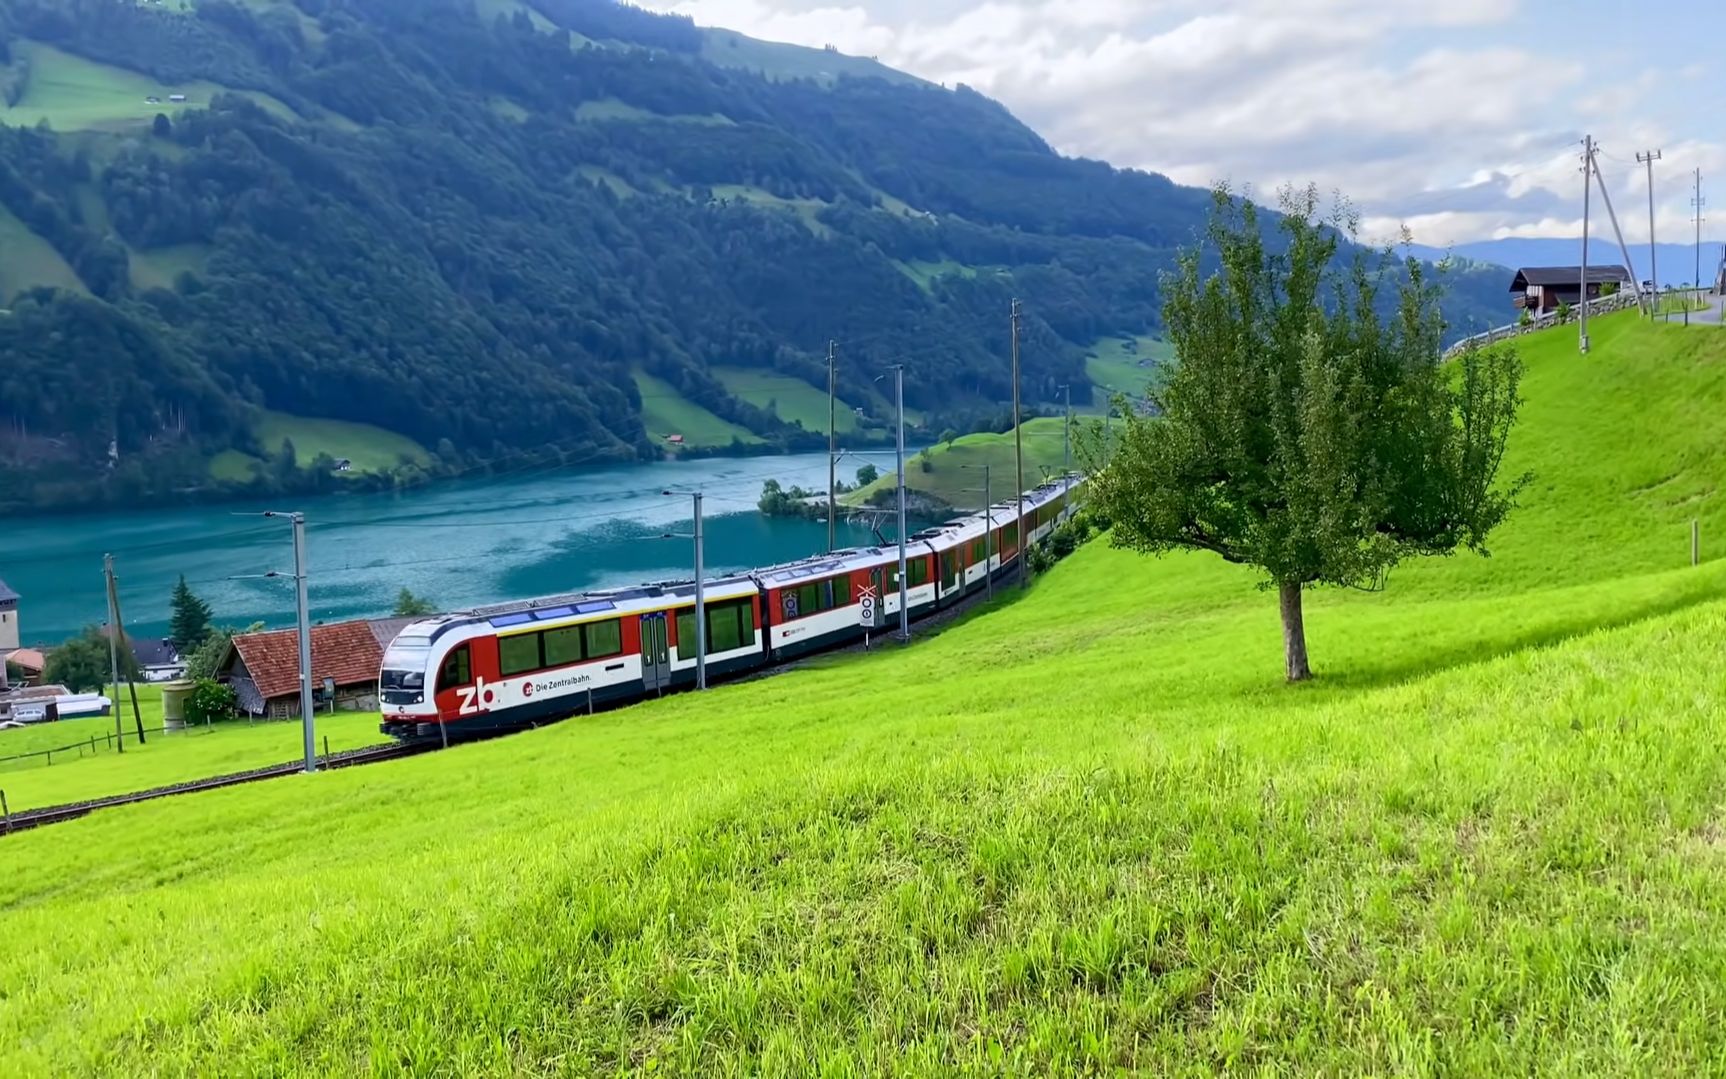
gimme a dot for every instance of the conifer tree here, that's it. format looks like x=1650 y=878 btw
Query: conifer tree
x=189 y=618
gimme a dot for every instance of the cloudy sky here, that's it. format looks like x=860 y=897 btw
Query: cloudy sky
x=1462 y=118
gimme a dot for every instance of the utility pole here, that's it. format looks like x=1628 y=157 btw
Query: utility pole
x=1587 y=174
x=1066 y=449
x=989 y=539
x=1697 y=202
x=116 y=641
x=1019 y=456
x=904 y=582
x=832 y=438
x=1649 y=159
x=1612 y=215
x=701 y=602
x=113 y=648
x=305 y=617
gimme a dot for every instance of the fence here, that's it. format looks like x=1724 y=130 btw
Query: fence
x=1602 y=305
x=93 y=746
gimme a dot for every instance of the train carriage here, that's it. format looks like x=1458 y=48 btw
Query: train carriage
x=518 y=664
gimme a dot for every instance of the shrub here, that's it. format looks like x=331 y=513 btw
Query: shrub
x=209 y=702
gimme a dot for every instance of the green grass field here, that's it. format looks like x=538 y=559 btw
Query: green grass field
x=612 y=109
x=666 y=412
x=76 y=94
x=795 y=400
x=28 y=261
x=159 y=268
x=805 y=209
x=1087 y=831
x=957 y=468
x=1118 y=362
x=926 y=273
x=370 y=448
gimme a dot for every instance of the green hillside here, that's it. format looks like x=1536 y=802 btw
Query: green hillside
x=1124 y=364
x=955 y=473
x=665 y=412
x=793 y=399
x=72 y=93
x=28 y=261
x=1087 y=831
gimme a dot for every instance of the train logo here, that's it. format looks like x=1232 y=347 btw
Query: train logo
x=471 y=696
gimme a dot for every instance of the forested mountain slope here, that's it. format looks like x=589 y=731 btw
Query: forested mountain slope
x=488 y=224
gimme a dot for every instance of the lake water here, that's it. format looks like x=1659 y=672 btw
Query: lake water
x=459 y=544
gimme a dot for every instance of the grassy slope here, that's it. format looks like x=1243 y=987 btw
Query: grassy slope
x=1114 y=362
x=959 y=467
x=158 y=268
x=795 y=400
x=75 y=94
x=665 y=412
x=1087 y=830
x=27 y=260
x=369 y=448
x=780 y=61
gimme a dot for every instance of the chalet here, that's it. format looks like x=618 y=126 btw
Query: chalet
x=9 y=634
x=264 y=669
x=158 y=659
x=178 y=99
x=1539 y=289
x=343 y=464
x=675 y=440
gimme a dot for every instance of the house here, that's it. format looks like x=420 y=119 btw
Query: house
x=675 y=440
x=158 y=659
x=178 y=99
x=264 y=669
x=343 y=464
x=1539 y=289
x=30 y=662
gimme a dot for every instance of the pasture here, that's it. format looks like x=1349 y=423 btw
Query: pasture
x=793 y=399
x=955 y=473
x=1088 y=830
x=665 y=412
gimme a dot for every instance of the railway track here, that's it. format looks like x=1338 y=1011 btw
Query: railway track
x=37 y=818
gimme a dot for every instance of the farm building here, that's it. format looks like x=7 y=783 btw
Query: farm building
x=264 y=669
x=9 y=634
x=1539 y=289
x=158 y=659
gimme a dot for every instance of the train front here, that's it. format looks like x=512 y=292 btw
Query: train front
x=405 y=696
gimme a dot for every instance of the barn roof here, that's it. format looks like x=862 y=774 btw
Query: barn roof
x=1567 y=275
x=347 y=652
x=154 y=651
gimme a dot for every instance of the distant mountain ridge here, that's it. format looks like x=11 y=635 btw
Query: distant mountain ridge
x=546 y=231
x=1677 y=262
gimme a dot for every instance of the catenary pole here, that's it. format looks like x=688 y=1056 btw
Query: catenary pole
x=1587 y=174
x=1612 y=216
x=1018 y=457
x=305 y=620
x=700 y=604
x=1067 y=450
x=1697 y=202
x=989 y=540
x=904 y=582
x=832 y=439
x=1649 y=159
x=113 y=649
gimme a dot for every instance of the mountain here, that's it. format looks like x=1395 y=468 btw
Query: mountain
x=516 y=232
x=1677 y=262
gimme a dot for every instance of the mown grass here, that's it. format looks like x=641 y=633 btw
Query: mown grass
x=665 y=412
x=371 y=449
x=792 y=399
x=807 y=210
x=1085 y=831
x=161 y=267
x=955 y=474
x=1122 y=365
x=76 y=94
x=28 y=261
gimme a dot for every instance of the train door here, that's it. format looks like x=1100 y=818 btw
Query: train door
x=655 y=652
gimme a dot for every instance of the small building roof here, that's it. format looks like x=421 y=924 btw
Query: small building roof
x=386 y=630
x=1567 y=275
x=28 y=659
x=348 y=653
x=6 y=593
x=154 y=652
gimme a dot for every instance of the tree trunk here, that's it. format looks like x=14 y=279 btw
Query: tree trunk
x=1294 y=633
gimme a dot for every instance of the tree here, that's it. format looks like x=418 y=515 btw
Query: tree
x=867 y=474
x=925 y=460
x=949 y=436
x=409 y=605
x=204 y=662
x=1304 y=430
x=209 y=702
x=162 y=127
x=81 y=664
x=189 y=620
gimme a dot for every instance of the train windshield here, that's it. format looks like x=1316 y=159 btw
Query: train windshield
x=405 y=663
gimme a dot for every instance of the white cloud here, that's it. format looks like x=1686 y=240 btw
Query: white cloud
x=1399 y=105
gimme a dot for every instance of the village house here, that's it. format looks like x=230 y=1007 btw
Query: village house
x=1539 y=289
x=264 y=669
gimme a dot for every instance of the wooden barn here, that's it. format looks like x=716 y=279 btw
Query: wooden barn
x=1539 y=289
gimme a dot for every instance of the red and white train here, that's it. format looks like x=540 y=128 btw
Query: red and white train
x=519 y=664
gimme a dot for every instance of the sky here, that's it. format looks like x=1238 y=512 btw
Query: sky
x=1462 y=119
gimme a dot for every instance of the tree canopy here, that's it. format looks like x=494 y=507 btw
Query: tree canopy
x=188 y=619
x=81 y=664
x=1303 y=430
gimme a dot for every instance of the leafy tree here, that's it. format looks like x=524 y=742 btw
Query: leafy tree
x=925 y=460
x=867 y=474
x=409 y=605
x=162 y=127
x=204 y=662
x=81 y=664
x=189 y=620
x=210 y=702
x=949 y=436
x=1301 y=432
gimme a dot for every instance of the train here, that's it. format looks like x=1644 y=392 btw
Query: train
x=516 y=665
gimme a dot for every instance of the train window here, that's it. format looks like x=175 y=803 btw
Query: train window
x=686 y=643
x=809 y=599
x=1010 y=535
x=518 y=655
x=604 y=639
x=979 y=550
x=457 y=669
x=562 y=646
